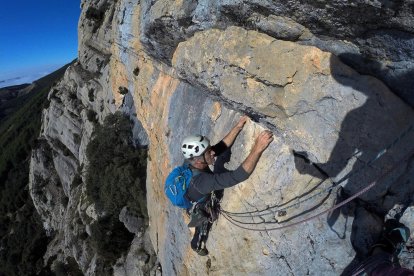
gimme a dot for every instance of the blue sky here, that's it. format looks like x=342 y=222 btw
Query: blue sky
x=37 y=37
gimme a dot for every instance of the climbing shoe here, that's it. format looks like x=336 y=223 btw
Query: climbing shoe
x=394 y=237
x=198 y=245
x=397 y=234
x=202 y=251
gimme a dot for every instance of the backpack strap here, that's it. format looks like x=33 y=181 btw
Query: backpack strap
x=194 y=172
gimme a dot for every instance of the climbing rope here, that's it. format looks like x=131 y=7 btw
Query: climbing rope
x=279 y=210
x=364 y=190
x=323 y=191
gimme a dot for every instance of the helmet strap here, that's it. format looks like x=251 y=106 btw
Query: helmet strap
x=204 y=158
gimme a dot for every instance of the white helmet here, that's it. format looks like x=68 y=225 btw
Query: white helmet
x=194 y=145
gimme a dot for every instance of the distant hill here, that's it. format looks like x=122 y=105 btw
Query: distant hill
x=22 y=238
x=11 y=92
x=14 y=97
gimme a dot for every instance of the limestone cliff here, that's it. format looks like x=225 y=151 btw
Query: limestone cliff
x=329 y=79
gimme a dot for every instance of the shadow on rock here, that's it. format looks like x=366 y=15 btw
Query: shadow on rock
x=379 y=122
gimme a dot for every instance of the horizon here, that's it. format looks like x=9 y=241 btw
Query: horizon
x=40 y=38
x=30 y=75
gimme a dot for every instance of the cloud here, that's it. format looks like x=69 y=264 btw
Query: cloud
x=10 y=80
x=19 y=80
x=27 y=75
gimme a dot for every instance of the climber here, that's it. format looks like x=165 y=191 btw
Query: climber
x=205 y=184
x=383 y=256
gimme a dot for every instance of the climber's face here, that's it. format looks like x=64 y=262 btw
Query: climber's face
x=203 y=161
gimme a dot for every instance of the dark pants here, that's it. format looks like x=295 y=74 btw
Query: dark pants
x=204 y=214
x=200 y=236
x=381 y=265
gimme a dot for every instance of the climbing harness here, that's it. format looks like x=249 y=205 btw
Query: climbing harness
x=270 y=210
x=207 y=210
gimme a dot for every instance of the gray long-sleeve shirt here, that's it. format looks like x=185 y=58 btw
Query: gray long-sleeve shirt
x=204 y=182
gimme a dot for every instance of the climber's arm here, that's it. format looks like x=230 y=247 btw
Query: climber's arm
x=232 y=135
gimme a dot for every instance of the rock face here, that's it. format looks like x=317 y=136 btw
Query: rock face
x=319 y=75
x=375 y=37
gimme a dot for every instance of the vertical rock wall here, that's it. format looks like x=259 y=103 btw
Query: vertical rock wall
x=183 y=67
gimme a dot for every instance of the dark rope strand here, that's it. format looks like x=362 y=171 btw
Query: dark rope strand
x=367 y=188
x=329 y=189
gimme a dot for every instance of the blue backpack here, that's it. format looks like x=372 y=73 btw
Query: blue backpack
x=176 y=185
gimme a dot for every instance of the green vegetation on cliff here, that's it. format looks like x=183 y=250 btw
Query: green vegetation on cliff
x=115 y=178
x=117 y=169
x=22 y=238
